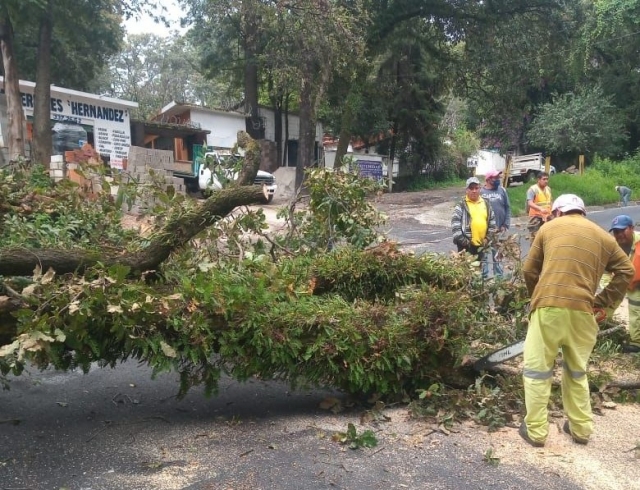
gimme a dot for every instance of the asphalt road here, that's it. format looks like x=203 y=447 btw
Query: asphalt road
x=428 y=238
x=114 y=429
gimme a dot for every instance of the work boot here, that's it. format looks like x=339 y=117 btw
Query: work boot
x=630 y=348
x=525 y=435
x=580 y=440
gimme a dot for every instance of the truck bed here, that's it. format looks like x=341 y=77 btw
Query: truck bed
x=182 y=168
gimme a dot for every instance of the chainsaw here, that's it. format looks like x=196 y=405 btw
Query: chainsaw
x=517 y=348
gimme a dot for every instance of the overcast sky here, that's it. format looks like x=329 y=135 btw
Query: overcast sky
x=146 y=24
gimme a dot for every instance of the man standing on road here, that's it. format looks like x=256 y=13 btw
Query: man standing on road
x=623 y=231
x=625 y=195
x=539 y=203
x=473 y=222
x=497 y=196
x=561 y=272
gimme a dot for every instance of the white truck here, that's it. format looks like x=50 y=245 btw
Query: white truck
x=209 y=174
x=523 y=167
x=526 y=167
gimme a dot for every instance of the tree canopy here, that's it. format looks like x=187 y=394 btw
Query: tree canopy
x=585 y=123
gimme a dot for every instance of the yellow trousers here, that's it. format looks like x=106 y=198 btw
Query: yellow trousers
x=633 y=297
x=549 y=329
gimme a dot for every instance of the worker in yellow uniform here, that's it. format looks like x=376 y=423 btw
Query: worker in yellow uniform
x=562 y=270
x=473 y=223
x=539 y=203
x=623 y=231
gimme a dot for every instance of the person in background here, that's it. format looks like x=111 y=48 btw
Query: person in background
x=625 y=195
x=473 y=223
x=562 y=270
x=623 y=231
x=539 y=203
x=497 y=196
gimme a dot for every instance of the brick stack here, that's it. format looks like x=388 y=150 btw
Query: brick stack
x=86 y=157
x=139 y=164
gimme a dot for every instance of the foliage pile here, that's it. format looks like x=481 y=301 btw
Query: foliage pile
x=369 y=320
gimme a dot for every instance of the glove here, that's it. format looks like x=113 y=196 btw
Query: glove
x=600 y=314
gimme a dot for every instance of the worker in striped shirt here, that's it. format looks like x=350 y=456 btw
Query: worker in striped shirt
x=562 y=271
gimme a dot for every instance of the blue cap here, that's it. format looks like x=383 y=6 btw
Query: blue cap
x=621 y=222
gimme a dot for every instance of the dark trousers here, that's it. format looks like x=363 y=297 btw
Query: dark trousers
x=473 y=250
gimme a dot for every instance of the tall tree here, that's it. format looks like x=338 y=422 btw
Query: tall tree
x=82 y=23
x=605 y=54
x=586 y=122
x=324 y=37
x=230 y=34
x=510 y=66
x=15 y=114
x=42 y=138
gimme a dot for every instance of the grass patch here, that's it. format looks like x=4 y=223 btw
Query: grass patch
x=596 y=187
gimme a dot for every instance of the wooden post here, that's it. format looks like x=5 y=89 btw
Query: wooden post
x=581 y=164
x=505 y=173
x=547 y=164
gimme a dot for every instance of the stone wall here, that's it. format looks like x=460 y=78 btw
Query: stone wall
x=140 y=163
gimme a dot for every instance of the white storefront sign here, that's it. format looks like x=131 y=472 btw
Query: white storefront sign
x=109 y=117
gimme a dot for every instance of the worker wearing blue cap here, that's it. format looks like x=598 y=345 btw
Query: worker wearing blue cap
x=623 y=231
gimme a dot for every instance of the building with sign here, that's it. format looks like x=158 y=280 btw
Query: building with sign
x=79 y=117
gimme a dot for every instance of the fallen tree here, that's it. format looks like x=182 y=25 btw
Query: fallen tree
x=175 y=234
x=363 y=317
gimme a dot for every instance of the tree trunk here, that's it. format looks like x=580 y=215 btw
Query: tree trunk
x=285 y=153
x=42 y=139
x=307 y=132
x=345 y=135
x=276 y=98
x=253 y=123
x=277 y=128
x=176 y=233
x=15 y=114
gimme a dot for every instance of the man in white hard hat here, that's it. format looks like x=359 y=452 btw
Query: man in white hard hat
x=562 y=270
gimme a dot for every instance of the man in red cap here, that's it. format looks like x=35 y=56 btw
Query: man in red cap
x=497 y=196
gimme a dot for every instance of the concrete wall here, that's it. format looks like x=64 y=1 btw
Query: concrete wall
x=294 y=126
x=139 y=163
x=224 y=126
x=286 y=180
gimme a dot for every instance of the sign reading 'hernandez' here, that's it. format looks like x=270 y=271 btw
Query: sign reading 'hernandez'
x=108 y=116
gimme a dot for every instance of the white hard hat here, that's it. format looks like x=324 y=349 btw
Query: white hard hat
x=568 y=202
